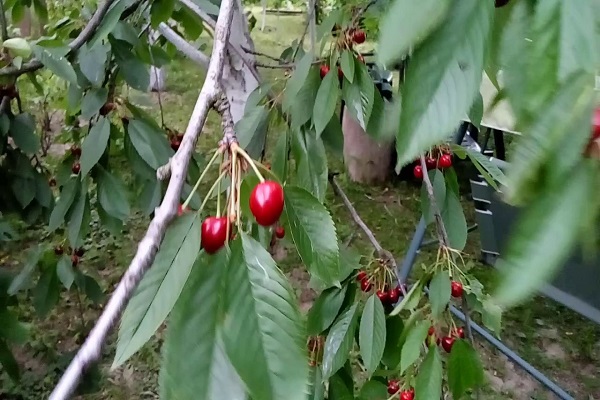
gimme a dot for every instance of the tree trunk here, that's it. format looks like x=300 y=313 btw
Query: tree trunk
x=367 y=160
x=157 y=75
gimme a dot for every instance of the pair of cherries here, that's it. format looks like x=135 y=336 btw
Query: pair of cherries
x=266 y=204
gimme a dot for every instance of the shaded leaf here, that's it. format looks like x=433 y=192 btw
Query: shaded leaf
x=92 y=62
x=65 y=272
x=24 y=277
x=339 y=342
x=149 y=142
x=67 y=195
x=112 y=195
x=279 y=165
x=160 y=288
x=22 y=130
x=46 y=292
x=8 y=362
x=109 y=22
x=411 y=350
x=429 y=378
x=92 y=101
x=296 y=81
x=455 y=222
x=94 y=145
x=55 y=62
x=135 y=73
x=347 y=64
x=252 y=130
x=313 y=232
x=439 y=292
x=311 y=163
x=326 y=101
x=325 y=309
x=79 y=217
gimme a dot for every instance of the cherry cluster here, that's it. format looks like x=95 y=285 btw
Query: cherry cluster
x=382 y=279
x=76 y=254
x=446 y=341
x=350 y=37
x=175 y=139
x=76 y=152
x=393 y=387
x=438 y=158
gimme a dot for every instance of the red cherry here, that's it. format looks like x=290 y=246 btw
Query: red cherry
x=407 y=394
x=430 y=162
x=393 y=387
x=445 y=161
x=76 y=168
x=596 y=124
x=58 y=250
x=365 y=286
x=52 y=182
x=76 y=151
x=324 y=70
x=280 y=232
x=175 y=144
x=359 y=37
x=361 y=276
x=383 y=296
x=180 y=210
x=457 y=289
x=213 y=233
x=107 y=108
x=340 y=73
x=180 y=137
x=501 y=3
x=266 y=202
x=459 y=332
x=447 y=343
x=418 y=172
x=79 y=252
x=74 y=259
x=431 y=331
x=394 y=295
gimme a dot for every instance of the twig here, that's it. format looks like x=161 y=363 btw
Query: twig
x=3 y=21
x=301 y=41
x=258 y=53
x=183 y=46
x=83 y=37
x=148 y=247
x=362 y=11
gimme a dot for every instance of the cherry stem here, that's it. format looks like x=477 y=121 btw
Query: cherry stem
x=212 y=188
x=245 y=155
x=219 y=189
x=202 y=175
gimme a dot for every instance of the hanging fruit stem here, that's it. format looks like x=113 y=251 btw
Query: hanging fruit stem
x=212 y=188
x=202 y=175
x=236 y=149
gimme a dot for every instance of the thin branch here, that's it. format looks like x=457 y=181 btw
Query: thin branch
x=83 y=37
x=301 y=41
x=439 y=222
x=258 y=53
x=183 y=45
x=148 y=247
x=3 y=21
x=199 y=12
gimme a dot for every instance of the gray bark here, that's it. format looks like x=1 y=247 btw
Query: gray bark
x=157 y=75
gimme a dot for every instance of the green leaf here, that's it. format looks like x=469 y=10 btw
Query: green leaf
x=492 y=316
x=109 y=22
x=160 y=288
x=543 y=237
x=429 y=378
x=24 y=277
x=22 y=130
x=296 y=81
x=372 y=334
x=46 y=292
x=373 y=390
x=303 y=105
x=92 y=62
x=465 y=371
x=476 y=112
x=546 y=133
x=161 y=11
x=8 y=362
x=439 y=293
x=67 y=195
x=149 y=142
x=65 y=271
x=339 y=342
x=12 y=329
x=311 y=163
x=394 y=327
x=316 y=389
x=486 y=167
x=412 y=298
x=454 y=221
x=360 y=94
x=325 y=309
x=411 y=350
x=326 y=102
x=263 y=328
x=313 y=232
x=347 y=64
x=333 y=18
x=79 y=217
x=57 y=63
x=339 y=389
x=92 y=101
x=43 y=193
x=442 y=79
x=439 y=193
x=252 y=130
x=24 y=190
x=135 y=73
x=112 y=195
x=18 y=46
x=279 y=166
x=406 y=24
x=196 y=371
x=94 y=145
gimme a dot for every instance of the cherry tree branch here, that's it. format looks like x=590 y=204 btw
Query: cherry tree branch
x=83 y=37
x=90 y=351
x=183 y=45
x=3 y=22
x=199 y=12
